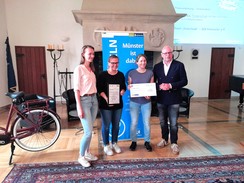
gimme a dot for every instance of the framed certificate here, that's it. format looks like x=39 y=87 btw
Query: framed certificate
x=113 y=94
x=143 y=90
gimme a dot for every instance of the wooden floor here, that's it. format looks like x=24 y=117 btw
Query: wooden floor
x=215 y=127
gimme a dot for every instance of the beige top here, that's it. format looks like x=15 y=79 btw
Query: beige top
x=84 y=80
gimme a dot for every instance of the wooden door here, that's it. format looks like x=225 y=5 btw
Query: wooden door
x=31 y=69
x=222 y=61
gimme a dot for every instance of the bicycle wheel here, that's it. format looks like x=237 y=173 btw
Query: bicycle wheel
x=39 y=131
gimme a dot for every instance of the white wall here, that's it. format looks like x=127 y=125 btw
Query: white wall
x=43 y=22
x=198 y=70
x=3 y=64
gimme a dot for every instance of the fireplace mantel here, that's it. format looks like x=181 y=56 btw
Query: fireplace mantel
x=155 y=17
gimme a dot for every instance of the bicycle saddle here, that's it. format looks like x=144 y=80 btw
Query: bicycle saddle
x=15 y=95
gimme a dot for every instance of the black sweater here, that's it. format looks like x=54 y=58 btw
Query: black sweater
x=104 y=79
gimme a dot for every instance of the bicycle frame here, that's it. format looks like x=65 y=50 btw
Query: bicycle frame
x=28 y=105
x=37 y=116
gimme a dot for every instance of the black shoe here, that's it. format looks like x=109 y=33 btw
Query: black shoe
x=148 y=146
x=133 y=146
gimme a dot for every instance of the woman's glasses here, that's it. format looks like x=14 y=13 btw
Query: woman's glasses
x=113 y=63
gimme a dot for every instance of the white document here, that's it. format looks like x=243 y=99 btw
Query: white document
x=143 y=90
x=113 y=94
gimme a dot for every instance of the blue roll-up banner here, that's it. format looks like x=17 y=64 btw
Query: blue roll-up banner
x=126 y=46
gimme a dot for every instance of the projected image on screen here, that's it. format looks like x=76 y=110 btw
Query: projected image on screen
x=209 y=22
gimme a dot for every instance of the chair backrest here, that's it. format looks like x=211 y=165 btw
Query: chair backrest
x=186 y=94
x=69 y=96
x=186 y=98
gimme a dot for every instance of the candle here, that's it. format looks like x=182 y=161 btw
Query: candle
x=60 y=47
x=55 y=46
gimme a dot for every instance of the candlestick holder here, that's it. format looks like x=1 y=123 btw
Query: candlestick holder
x=55 y=59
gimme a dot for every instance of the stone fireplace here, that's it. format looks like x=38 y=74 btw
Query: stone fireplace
x=154 y=17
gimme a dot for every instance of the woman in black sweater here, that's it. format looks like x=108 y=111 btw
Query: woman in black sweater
x=111 y=87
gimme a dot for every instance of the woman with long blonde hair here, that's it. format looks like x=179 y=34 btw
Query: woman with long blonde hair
x=86 y=101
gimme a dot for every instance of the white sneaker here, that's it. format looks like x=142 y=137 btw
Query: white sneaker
x=90 y=157
x=82 y=160
x=162 y=143
x=116 y=148
x=108 y=150
x=175 y=149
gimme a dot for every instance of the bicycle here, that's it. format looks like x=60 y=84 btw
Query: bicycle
x=35 y=126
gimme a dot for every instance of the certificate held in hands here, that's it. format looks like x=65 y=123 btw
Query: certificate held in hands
x=143 y=90
x=113 y=94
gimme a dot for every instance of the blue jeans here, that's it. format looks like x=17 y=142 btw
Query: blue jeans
x=110 y=117
x=169 y=113
x=90 y=108
x=135 y=110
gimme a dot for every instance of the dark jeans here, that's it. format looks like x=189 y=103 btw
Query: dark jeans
x=169 y=113
x=110 y=117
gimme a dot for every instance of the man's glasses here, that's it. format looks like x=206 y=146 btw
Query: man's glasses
x=167 y=53
x=113 y=63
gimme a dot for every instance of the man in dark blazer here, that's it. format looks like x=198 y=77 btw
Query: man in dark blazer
x=170 y=76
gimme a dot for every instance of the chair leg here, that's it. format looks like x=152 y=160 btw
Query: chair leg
x=80 y=130
x=180 y=126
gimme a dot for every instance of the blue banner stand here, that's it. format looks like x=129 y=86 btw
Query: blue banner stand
x=126 y=45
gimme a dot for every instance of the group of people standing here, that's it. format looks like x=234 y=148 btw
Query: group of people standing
x=170 y=77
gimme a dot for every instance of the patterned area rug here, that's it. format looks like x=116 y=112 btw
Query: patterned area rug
x=211 y=169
